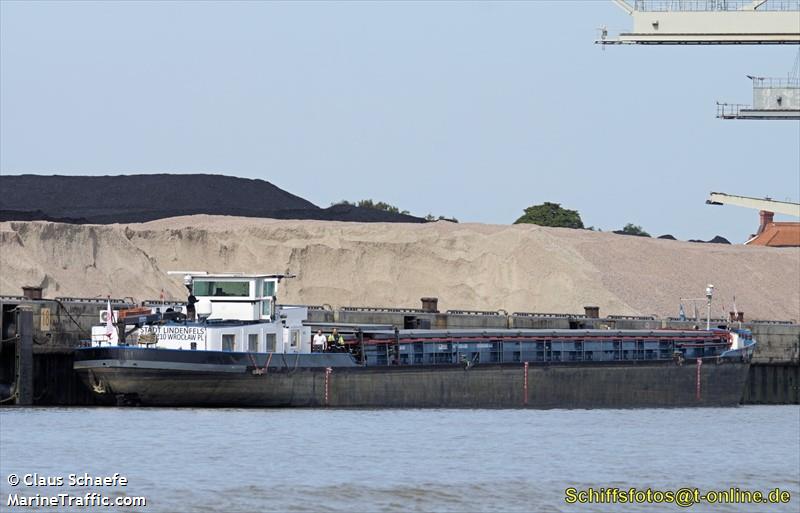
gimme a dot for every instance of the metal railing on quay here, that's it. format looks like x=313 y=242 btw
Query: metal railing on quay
x=474 y=312
x=114 y=301
x=549 y=315
x=380 y=309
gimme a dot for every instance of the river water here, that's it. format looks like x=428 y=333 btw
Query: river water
x=231 y=460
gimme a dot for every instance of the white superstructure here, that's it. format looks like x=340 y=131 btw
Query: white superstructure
x=236 y=312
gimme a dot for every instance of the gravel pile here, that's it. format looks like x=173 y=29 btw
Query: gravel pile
x=519 y=268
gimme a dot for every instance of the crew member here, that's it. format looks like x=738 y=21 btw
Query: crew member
x=335 y=340
x=191 y=311
x=318 y=343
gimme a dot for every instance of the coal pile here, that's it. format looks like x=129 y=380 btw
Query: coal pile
x=716 y=240
x=622 y=232
x=142 y=198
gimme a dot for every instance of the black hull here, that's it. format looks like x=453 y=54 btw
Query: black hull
x=115 y=376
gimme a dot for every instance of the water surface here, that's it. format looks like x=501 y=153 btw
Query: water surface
x=231 y=460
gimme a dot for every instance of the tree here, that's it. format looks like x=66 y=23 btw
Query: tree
x=380 y=205
x=368 y=203
x=551 y=214
x=432 y=218
x=633 y=229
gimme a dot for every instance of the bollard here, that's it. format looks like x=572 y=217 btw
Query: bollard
x=24 y=374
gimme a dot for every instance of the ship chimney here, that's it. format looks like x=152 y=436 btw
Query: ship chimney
x=766 y=219
x=32 y=293
x=736 y=316
x=592 y=312
x=430 y=304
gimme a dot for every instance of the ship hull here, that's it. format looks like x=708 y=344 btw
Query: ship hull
x=190 y=378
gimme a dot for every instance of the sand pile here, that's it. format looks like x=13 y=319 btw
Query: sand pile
x=468 y=266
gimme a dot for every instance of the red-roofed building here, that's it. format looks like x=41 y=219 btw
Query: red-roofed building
x=780 y=234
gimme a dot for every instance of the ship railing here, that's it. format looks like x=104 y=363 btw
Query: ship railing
x=325 y=307
x=713 y=5
x=631 y=317
x=763 y=321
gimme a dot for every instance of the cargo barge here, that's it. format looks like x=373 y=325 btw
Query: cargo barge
x=245 y=350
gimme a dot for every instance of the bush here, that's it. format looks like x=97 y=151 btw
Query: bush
x=551 y=214
x=368 y=203
x=633 y=229
x=432 y=218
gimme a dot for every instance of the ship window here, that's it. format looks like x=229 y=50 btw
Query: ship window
x=228 y=342
x=252 y=342
x=266 y=307
x=295 y=338
x=270 y=339
x=221 y=288
x=269 y=288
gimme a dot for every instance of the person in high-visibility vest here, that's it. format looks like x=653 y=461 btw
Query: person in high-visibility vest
x=335 y=340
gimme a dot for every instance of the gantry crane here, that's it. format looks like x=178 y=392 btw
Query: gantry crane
x=698 y=22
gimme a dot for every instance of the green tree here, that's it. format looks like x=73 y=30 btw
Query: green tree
x=432 y=218
x=368 y=203
x=634 y=229
x=551 y=214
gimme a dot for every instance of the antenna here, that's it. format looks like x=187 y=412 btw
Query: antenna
x=709 y=294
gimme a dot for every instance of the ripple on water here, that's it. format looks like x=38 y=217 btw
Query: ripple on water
x=232 y=460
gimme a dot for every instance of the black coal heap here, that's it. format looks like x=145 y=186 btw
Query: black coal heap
x=142 y=198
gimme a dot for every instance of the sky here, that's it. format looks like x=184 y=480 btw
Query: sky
x=473 y=110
